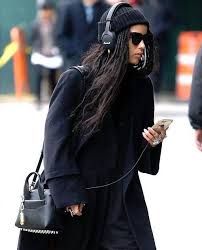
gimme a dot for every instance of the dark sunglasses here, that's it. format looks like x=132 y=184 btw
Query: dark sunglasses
x=138 y=37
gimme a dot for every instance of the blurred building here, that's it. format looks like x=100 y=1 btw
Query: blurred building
x=188 y=17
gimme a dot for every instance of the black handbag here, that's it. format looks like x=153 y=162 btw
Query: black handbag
x=37 y=213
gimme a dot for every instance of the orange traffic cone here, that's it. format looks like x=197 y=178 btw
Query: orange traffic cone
x=188 y=45
x=20 y=67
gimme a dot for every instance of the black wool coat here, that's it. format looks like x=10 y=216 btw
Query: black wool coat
x=93 y=162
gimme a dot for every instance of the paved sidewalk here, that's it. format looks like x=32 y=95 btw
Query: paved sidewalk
x=168 y=105
x=172 y=196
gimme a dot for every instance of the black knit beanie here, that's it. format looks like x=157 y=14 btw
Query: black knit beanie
x=124 y=17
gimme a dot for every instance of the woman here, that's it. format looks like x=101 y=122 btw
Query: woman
x=95 y=131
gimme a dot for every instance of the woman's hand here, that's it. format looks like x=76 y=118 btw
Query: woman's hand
x=198 y=138
x=75 y=209
x=154 y=136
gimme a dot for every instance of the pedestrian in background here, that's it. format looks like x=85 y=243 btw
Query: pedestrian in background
x=77 y=28
x=45 y=55
x=95 y=131
x=195 y=102
x=160 y=14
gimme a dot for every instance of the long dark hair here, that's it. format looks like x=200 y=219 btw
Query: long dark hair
x=105 y=74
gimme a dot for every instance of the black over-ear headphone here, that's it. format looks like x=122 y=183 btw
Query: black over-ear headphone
x=108 y=38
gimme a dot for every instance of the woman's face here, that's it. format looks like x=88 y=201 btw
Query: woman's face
x=136 y=44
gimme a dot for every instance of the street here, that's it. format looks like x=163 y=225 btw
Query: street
x=173 y=196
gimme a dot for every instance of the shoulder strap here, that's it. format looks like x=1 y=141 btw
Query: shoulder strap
x=82 y=70
x=37 y=169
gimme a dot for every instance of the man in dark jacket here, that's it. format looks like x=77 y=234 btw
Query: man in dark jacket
x=195 y=104
x=77 y=28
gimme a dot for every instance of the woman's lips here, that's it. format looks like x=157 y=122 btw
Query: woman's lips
x=138 y=55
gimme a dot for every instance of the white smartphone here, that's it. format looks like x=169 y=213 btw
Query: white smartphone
x=164 y=122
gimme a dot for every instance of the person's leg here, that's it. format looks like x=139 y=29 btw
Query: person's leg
x=38 y=80
x=52 y=75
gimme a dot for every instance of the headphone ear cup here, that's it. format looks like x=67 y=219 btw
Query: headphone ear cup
x=108 y=40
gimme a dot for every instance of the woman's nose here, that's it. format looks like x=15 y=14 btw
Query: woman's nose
x=141 y=45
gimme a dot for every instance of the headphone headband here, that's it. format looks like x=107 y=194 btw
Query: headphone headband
x=112 y=11
x=108 y=37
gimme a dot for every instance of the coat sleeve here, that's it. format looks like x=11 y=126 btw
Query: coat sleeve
x=61 y=171
x=150 y=160
x=67 y=190
x=195 y=104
